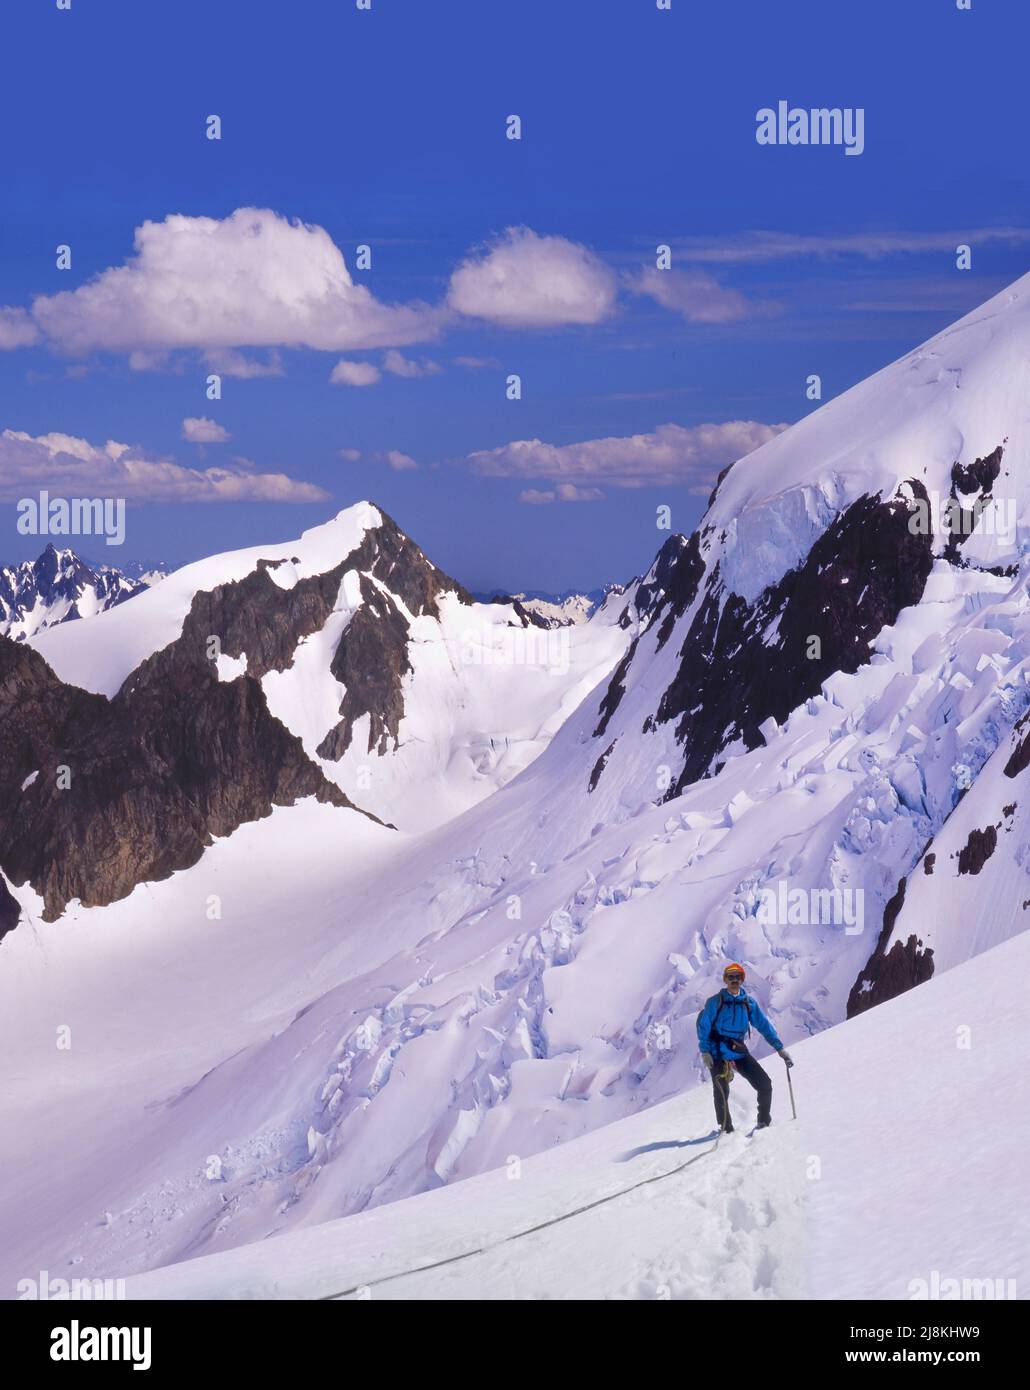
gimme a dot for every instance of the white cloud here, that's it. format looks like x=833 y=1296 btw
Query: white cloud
x=150 y=362
x=674 y=455
x=227 y=362
x=477 y=364
x=563 y=492
x=392 y=458
x=65 y=465
x=399 y=365
x=778 y=246
x=203 y=431
x=16 y=329
x=252 y=279
x=695 y=295
x=354 y=374
x=530 y=281
x=398 y=461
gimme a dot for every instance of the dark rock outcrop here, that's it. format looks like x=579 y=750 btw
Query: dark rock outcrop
x=741 y=663
x=977 y=850
x=598 y=768
x=889 y=973
x=99 y=795
x=665 y=593
x=1019 y=758
x=133 y=789
x=528 y=617
x=10 y=912
x=370 y=661
x=974 y=480
x=978 y=476
x=616 y=689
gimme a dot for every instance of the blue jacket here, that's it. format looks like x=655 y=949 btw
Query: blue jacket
x=734 y=1018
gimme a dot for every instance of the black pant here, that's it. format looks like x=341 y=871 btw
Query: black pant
x=755 y=1075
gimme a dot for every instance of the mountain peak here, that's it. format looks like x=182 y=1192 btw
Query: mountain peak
x=56 y=588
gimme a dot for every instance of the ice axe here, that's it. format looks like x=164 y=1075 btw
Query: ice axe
x=790 y=1088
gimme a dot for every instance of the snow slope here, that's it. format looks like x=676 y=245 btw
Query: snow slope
x=953 y=399
x=902 y=1163
x=971 y=887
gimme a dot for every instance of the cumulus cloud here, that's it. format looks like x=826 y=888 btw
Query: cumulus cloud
x=695 y=295
x=252 y=279
x=674 y=455
x=16 y=329
x=399 y=365
x=354 y=374
x=203 y=431
x=528 y=281
x=65 y=465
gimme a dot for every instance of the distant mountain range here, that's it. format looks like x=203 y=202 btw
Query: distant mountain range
x=59 y=587
x=548 y=609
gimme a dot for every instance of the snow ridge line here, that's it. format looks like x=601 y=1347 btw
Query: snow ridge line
x=518 y=1235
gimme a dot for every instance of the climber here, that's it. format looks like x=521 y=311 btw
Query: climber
x=722 y=1025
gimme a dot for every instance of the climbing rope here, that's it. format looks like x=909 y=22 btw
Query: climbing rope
x=530 y=1230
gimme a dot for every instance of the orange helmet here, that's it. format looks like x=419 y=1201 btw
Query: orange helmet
x=736 y=969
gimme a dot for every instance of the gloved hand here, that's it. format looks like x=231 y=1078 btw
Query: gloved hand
x=706 y=1057
x=786 y=1056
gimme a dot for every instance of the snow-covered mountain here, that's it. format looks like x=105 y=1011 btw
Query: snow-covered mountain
x=59 y=587
x=558 y=610
x=360 y=887
x=258 y=677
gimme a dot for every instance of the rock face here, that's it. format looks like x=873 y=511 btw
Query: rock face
x=741 y=663
x=99 y=795
x=57 y=588
x=977 y=850
x=371 y=659
x=890 y=972
x=10 y=912
x=972 y=482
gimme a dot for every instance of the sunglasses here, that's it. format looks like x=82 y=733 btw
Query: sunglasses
x=730 y=978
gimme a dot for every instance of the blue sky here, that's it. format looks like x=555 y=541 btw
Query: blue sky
x=387 y=128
